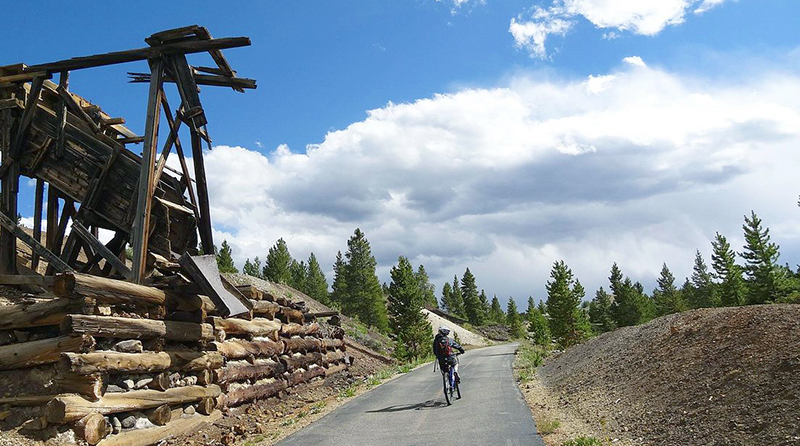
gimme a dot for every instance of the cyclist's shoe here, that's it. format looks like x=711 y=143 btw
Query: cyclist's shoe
x=458 y=378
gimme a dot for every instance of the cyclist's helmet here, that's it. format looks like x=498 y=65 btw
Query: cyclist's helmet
x=444 y=330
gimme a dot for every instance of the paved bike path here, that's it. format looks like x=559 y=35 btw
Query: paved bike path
x=411 y=410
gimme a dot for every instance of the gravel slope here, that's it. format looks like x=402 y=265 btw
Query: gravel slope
x=721 y=376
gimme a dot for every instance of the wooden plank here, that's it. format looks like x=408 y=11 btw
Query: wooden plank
x=37 y=247
x=73 y=106
x=52 y=218
x=101 y=250
x=192 y=108
x=40 y=314
x=37 y=219
x=238 y=83
x=172 y=138
x=24 y=77
x=27 y=116
x=61 y=115
x=204 y=223
x=141 y=224
x=99 y=60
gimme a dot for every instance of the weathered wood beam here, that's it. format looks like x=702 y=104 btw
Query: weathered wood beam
x=289 y=330
x=72 y=407
x=203 y=79
x=141 y=226
x=243 y=393
x=101 y=250
x=61 y=114
x=204 y=223
x=241 y=349
x=126 y=328
x=117 y=362
x=35 y=246
x=39 y=314
x=99 y=60
x=172 y=138
x=52 y=218
x=242 y=370
x=8 y=201
x=34 y=280
x=43 y=351
x=256 y=327
x=71 y=104
x=175 y=428
x=27 y=117
x=107 y=291
x=38 y=205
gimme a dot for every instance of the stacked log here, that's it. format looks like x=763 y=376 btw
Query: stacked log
x=123 y=357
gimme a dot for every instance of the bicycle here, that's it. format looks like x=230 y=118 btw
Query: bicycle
x=449 y=382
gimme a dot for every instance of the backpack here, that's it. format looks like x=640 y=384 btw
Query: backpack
x=443 y=347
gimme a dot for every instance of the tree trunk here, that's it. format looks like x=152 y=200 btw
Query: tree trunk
x=147 y=437
x=115 y=362
x=289 y=330
x=41 y=313
x=72 y=407
x=297 y=344
x=160 y=415
x=239 y=371
x=107 y=291
x=44 y=351
x=256 y=327
x=92 y=428
x=244 y=393
x=125 y=328
x=90 y=386
x=240 y=349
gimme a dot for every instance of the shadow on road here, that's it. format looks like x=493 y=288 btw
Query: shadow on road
x=430 y=404
x=500 y=354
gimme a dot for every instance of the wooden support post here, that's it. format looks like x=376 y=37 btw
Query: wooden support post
x=8 y=204
x=37 y=220
x=52 y=218
x=187 y=87
x=204 y=224
x=61 y=115
x=174 y=126
x=58 y=236
x=141 y=225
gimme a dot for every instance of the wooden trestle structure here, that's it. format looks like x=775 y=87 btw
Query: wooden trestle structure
x=112 y=348
x=62 y=140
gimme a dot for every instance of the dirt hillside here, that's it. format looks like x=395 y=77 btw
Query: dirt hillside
x=720 y=376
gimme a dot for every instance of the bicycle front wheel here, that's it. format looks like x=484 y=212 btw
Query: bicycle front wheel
x=446 y=386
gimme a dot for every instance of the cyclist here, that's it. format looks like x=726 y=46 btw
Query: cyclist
x=444 y=348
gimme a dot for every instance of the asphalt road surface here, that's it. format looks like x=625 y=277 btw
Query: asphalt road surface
x=411 y=410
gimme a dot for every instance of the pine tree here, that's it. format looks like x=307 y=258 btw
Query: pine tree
x=703 y=293
x=225 y=259
x=666 y=296
x=496 y=314
x=412 y=332
x=277 y=267
x=764 y=281
x=428 y=288
x=484 y=306
x=600 y=312
x=472 y=302
x=339 y=287
x=538 y=327
x=723 y=260
x=515 y=326
x=563 y=300
x=298 y=272
x=363 y=297
x=531 y=307
x=630 y=306
x=252 y=268
x=457 y=299
x=316 y=286
x=447 y=300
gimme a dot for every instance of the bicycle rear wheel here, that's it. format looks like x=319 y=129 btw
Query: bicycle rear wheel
x=446 y=385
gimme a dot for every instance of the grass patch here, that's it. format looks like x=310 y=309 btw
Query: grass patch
x=254 y=441
x=547 y=425
x=529 y=357
x=583 y=441
x=348 y=392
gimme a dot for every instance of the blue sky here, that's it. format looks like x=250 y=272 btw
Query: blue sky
x=452 y=140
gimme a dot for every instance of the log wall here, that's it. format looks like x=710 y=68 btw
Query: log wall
x=121 y=353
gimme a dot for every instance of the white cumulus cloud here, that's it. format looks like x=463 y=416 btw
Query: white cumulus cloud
x=638 y=166
x=642 y=17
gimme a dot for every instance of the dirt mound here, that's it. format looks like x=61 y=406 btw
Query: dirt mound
x=717 y=376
